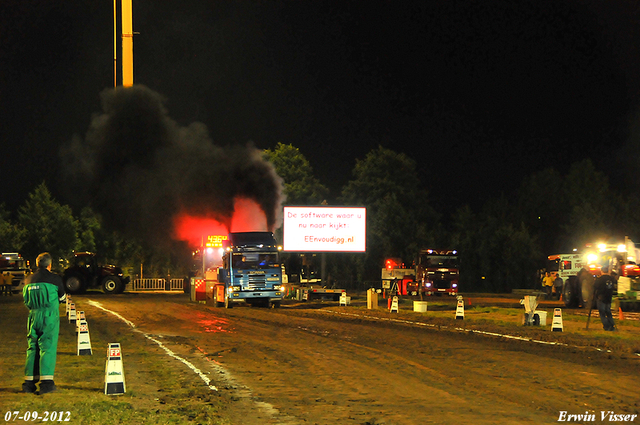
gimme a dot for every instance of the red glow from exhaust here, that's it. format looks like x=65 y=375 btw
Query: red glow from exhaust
x=194 y=229
x=247 y=217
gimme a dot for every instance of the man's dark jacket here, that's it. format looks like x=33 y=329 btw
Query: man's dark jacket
x=603 y=288
x=44 y=275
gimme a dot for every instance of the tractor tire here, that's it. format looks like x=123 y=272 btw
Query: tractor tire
x=569 y=293
x=587 y=281
x=112 y=285
x=74 y=285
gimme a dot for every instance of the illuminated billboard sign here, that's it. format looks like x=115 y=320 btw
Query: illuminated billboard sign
x=325 y=229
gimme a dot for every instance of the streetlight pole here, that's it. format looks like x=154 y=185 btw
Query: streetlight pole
x=127 y=43
x=115 y=46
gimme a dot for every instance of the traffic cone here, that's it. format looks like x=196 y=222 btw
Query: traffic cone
x=556 y=325
x=114 y=374
x=84 y=341
x=620 y=314
x=469 y=302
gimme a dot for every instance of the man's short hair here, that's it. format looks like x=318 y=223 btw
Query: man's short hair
x=44 y=260
x=605 y=269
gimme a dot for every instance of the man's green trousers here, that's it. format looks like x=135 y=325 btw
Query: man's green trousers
x=43 y=326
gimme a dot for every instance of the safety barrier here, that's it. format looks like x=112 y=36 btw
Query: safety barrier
x=157 y=284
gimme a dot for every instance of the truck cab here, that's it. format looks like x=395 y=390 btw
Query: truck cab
x=251 y=271
x=438 y=271
x=14 y=270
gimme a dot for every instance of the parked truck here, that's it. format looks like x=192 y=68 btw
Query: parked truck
x=250 y=273
x=579 y=270
x=434 y=272
x=85 y=273
x=305 y=280
x=14 y=270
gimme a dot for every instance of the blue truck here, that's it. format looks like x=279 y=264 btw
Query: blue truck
x=251 y=272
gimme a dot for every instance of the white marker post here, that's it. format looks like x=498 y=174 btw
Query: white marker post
x=114 y=374
x=460 y=308
x=556 y=325
x=394 y=305
x=84 y=341
x=80 y=317
x=72 y=314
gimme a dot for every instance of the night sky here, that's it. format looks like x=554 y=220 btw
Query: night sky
x=479 y=93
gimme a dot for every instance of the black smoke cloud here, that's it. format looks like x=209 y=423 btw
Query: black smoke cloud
x=138 y=168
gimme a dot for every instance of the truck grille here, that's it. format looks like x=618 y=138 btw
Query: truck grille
x=442 y=284
x=257 y=281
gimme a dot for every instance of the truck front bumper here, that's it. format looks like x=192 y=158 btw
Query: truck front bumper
x=241 y=296
x=452 y=292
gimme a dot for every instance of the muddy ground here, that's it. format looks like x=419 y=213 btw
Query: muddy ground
x=321 y=363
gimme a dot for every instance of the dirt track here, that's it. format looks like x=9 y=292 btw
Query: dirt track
x=326 y=364
x=319 y=363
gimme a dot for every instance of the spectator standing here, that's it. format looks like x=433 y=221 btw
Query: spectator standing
x=603 y=293
x=557 y=285
x=547 y=284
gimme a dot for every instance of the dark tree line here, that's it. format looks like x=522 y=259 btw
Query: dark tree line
x=502 y=245
x=43 y=224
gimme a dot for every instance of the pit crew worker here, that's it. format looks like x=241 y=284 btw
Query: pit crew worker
x=42 y=295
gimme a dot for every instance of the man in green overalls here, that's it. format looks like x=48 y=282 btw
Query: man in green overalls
x=42 y=295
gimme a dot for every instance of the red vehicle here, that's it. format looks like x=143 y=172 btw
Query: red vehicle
x=398 y=279
x=437 y=271
x=434 y=272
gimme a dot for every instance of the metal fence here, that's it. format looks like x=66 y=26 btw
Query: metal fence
x=157 y=284
x=160 y=284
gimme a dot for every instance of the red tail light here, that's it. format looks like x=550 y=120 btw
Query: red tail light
x=631 y=270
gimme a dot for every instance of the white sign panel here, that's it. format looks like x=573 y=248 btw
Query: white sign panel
x=325 y=229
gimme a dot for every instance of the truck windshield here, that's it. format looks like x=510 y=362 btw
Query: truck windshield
x=449 y=261
x=255 y=260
